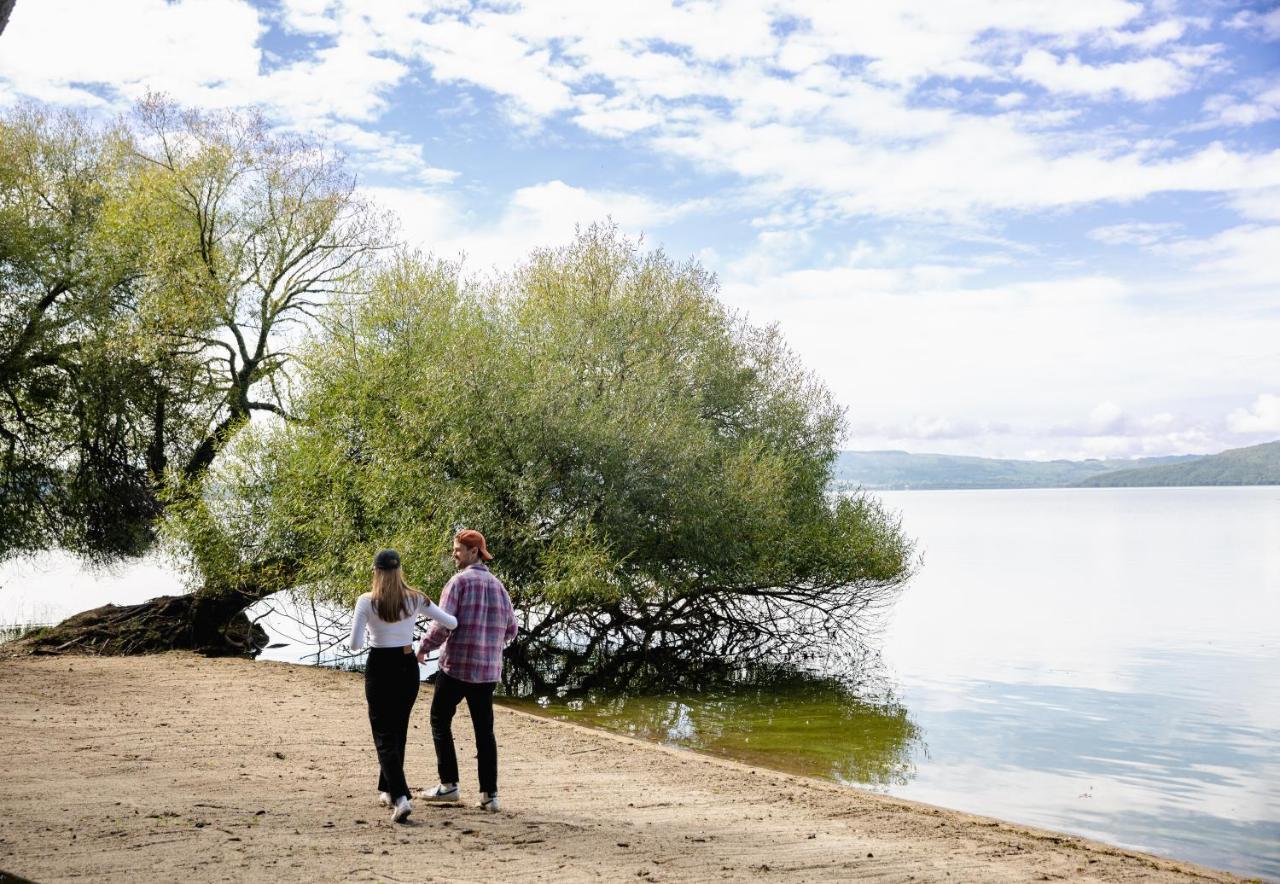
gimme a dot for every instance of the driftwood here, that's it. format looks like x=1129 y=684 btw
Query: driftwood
x=214 y=625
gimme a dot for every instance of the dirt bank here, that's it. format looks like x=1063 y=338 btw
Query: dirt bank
x=177 y=767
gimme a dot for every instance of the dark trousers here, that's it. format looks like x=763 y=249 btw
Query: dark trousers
x=449 y=693
x=390 y=687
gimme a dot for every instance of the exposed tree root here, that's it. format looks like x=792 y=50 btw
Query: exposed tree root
x=211 y=624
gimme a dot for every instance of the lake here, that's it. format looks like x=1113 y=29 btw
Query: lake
x=1103 y=661
x=1099 y=661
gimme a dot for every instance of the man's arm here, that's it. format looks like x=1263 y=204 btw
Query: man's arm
x=512 y=626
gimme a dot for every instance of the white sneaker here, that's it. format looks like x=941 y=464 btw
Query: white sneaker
x=384 y=798
x=444 y=792
x=402 y=809
x=489 y=802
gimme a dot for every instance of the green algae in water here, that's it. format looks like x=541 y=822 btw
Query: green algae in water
x=810 y=726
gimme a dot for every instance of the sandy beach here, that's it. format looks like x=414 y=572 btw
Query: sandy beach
x=178 y=767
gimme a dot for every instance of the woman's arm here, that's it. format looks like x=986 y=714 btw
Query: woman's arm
x=358 y=623
x=441 y=616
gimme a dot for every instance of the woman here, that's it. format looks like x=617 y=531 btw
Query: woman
x=388 y=611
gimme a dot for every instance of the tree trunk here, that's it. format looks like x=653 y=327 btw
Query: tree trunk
x=212 y=624
x=6 y=7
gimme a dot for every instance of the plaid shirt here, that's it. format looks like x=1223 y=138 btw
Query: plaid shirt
x=486 y=625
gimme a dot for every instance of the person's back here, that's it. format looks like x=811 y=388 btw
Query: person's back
x=486 y=624
x=387 y=614
x=470 y=665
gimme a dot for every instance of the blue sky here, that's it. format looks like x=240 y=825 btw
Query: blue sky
x=1019 y=228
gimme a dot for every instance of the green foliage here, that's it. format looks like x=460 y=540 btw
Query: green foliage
x=151 y=274
x=651 y=469
x=72 y=398
x=641 y=460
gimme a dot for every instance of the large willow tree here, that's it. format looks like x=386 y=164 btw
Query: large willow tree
x=651 y=470
x=154 y=274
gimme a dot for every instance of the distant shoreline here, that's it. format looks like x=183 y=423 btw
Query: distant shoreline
x=844 y=489
x=903 y=471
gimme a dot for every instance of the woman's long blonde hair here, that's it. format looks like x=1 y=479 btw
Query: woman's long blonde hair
x=391 y=595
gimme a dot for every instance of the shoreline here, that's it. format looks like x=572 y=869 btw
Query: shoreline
x=176 y=765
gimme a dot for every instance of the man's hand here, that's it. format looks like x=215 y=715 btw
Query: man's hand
x=422 y=652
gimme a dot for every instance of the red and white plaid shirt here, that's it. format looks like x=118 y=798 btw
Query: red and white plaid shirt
x=486 y=625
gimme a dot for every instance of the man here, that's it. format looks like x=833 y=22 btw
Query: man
x=470 y=665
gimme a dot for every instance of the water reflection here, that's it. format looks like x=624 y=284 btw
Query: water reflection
x=1167 y=766
x=806 y=725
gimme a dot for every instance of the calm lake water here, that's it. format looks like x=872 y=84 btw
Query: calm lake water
x=1099 y=661
x=1104 y=661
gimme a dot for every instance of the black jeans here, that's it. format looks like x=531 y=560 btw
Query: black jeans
x=449 y=693
x=390 y=687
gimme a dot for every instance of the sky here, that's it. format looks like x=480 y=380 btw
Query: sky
x=1009 y=228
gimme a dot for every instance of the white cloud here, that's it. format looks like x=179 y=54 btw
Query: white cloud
x=697 y=83
x=564 y=205
x=1004 y=168
x=484 y=53
x=1112 y=431
x=1233 y=262
x=310 y=16
x=1262 y=417
x=802 y=114
x=206 y=53
x=538 y=216
x=1150 y=37
x=1258 y=204
x=427 y=218
x=187 y=48
x=1107 y=419
x=348 y=80
x=388 y=152
x=612 y=117
x=1264 y=24
x=926 y=429
x=1143 y=80
x=909 y=41
x=775 y=251
x=969 y=356
x=1134 y=233
x=1259 y=104
x=1241 y=257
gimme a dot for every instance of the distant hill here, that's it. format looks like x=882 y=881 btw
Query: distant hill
x=1255 y=465
x=899 y=469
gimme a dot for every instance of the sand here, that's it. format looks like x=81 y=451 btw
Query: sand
x=180 y=768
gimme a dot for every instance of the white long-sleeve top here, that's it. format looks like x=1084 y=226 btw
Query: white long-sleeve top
x=398 y=634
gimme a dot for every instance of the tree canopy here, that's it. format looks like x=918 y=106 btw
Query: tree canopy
x=650 y=469
x=152 y=273
x=73 y=392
